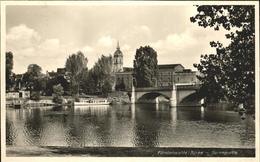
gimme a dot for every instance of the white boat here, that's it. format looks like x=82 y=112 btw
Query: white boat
x=91 y=101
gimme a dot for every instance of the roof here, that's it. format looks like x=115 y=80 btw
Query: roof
x=186 y=71
x=18 y=76
x=128 y=69
x=124 y=73
x=168 y=66
x=52 y=73
x=160 y=66
x=118 y=52
x=61 y=70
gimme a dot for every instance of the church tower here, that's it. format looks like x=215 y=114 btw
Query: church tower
x=118 y=60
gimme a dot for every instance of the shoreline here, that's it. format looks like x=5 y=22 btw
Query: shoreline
x=14 y=151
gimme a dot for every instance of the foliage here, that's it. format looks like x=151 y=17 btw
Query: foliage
x=75 y=65
x=33 y=78
x=230 y=72
x=57 y=94
x=9 y=68
x=100 y=79
x=83 y=79
x=120 y=85
x=145 y=67
x=59 y=79
x=209 y=72
x=90 y=84
x=35 y=95
x=106 y=87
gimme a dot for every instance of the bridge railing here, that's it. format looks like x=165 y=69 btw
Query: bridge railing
x=153 y=88
x=178 y=86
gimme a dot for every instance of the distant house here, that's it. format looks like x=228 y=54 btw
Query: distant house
x=18 y=94
x=24 y=94
x=51 y=74
x=12 y=95
x=61 y=71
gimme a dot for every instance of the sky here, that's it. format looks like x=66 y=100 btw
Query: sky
x=47 y=35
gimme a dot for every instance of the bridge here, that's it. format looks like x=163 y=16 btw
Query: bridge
x=178 y=94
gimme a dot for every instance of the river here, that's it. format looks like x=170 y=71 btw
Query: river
x=140 y=125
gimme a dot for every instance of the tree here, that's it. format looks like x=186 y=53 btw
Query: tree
x=145 y=67
x=210 y=70
x=33 y=79
x=9 y=68
x=57 y=94
x=100 y=78
x=83 y=79
x=232 y=68
x=75 y=65
x=90 y=84
x=106 y=87
x=58 y=79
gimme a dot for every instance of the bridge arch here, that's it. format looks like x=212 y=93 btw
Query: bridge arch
x=192 y=98
x=152 y=96
x=177 y=95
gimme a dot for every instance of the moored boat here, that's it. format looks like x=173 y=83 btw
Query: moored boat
x=91 y=101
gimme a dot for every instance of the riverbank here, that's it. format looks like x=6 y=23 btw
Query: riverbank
x=130 y=151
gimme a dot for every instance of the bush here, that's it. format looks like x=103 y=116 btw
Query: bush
x=57 y=94
x=35 y=96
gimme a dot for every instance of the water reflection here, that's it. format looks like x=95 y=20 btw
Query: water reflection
x=173 y=114
x=132 y=108
x=147 y=129
x=146 y=125
x=202 y=112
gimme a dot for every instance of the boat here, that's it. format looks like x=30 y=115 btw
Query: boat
x=91 y=101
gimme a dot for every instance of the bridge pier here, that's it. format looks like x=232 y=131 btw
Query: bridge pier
x=157 y=100
x=202 y=102
x=173 y=99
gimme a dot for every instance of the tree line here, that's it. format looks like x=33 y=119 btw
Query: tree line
x=99 y=80
x=76 y=80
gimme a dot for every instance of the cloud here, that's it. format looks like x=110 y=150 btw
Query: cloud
x=175 y=42
x=137 y=33
x=28 y=47
x=106 y=41
x=50 y=44
x=186 y=47
x=144 y=29
x=49 y=48
x=88 y=49
x=125 y=47
x=22 y=37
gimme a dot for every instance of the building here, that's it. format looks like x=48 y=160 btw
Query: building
x=174 y=73
x=118 y=60
x=167 y=73
x=18 y=94
x=60 y=72
x=51 y=74
x=124 y=80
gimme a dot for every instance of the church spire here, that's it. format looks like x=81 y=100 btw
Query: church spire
x=117 y=47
